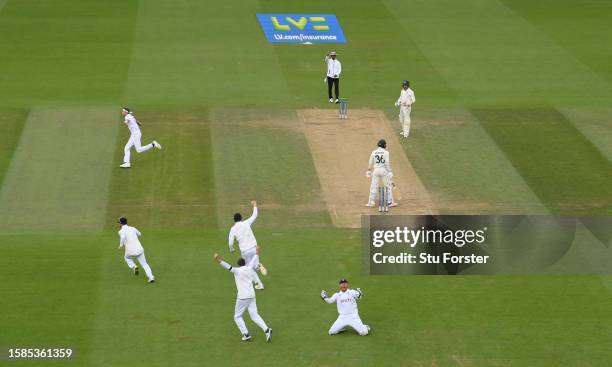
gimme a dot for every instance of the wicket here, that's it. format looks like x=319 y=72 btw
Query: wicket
x=343 y=108
x=383 y=198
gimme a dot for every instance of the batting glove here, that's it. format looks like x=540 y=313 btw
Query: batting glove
x=323 y=295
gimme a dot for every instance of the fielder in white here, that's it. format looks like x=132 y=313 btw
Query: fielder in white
x=128 y=238
x=135 y=135
x=241 y=231
x=348 y=314
x=405 y=102
x=379 y=169
x=244 y=276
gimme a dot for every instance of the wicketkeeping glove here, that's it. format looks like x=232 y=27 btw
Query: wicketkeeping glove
x=323 y=295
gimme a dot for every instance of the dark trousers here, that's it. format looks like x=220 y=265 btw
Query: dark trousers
x=333 y=81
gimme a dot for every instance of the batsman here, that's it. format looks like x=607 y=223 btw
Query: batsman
x=379 y=170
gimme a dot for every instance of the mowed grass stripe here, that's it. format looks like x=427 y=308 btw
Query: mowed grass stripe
x=64 y=52
x=263 y=154
x=49 y=291
x=188 y=53
x=59 y=173
x=171 y=188
x=11 y=122
x=492 y=56
x=463 y=167
x=567 y=172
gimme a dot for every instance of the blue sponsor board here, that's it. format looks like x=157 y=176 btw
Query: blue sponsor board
x=301 y=28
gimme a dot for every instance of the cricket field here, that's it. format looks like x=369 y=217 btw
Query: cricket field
x=513 y=116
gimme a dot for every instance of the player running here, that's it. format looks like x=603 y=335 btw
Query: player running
x=379 y=169
x=244 y=276
x=348 y=314
x=135 y=135
x=405 y=102
x=128 y=238
x=242 y=232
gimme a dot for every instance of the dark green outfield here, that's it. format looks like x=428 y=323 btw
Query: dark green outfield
x=513 y=115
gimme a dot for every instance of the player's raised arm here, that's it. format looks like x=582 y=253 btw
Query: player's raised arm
x=327 y=299
x=230 y=240
x=254 y=215
x=223 y=264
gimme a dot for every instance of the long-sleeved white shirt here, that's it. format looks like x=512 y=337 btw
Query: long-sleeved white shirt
x=243 y=276
x=406 y=98
x=132 y=124
x=128 y=238
x=242 y=232
x=346 y=301
x=380 y=158
x=334 y=68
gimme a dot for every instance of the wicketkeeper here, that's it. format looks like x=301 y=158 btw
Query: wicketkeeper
x=405 y=102
x=348 y=314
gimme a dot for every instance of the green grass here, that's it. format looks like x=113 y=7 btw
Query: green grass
x=529 y=84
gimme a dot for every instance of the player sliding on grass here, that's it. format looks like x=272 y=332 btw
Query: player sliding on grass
x=242 y=232
x=348 y=314
x=244 y=276
x=128 y=238
x=135 y=136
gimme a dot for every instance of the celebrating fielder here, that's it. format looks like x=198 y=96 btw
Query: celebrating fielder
x=135 y=135
x=244 y=276
x=405 y=102
x=241 y=231
x=348 y=314
x=128 y=238
x=379 y=169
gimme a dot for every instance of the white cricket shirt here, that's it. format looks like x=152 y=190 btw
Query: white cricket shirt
x=406 y=98
x=242 y=232
x=333 y=68
x=346 y=302
x=131 y=123
x=243 y=276
x=128 y=238
x=380 y=159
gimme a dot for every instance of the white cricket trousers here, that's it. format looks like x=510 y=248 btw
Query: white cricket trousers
x=345 y=321
x=251 y=305
x=379 y=174
x=134 y=142
x=404 y=118
x=143 y=263
x=248 y=255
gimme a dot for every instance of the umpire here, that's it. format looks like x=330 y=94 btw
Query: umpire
x=333 y=75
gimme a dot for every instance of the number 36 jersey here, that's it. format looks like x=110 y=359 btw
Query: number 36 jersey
x=380 y=159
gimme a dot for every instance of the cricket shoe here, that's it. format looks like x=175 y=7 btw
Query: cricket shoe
x=368 y=327
x=125 y=165
x=370 y=205
x=156 y=145
x=337 y=101
x=246 y=337
x=331 y=100
x=262 y=269
x=269 y=335
x=391 y=205
x=135 y=270
x=259 y=286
